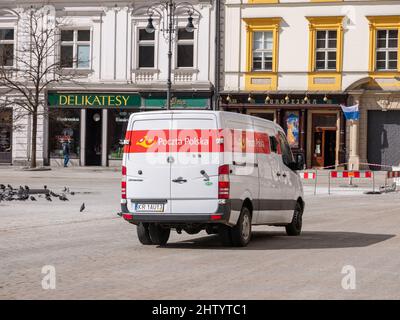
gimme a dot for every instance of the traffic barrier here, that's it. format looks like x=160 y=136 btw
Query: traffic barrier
x=393 y=174
x=310 y=176
x=350 y=175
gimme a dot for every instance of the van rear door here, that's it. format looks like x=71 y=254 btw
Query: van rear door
x=148 y=165
x=196 y=158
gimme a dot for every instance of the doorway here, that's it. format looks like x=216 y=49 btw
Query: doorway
x=324 y=147
x=93 y=145
x=6 y=136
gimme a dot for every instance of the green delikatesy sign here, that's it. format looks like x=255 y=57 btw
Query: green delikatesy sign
x=93 y=100
x=177 y=103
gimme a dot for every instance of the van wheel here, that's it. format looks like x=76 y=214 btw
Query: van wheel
x=241 y=233
x=143 y=233
x=294 y=228
x=159 y=235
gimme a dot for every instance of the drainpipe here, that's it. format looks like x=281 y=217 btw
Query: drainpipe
x=217 y=53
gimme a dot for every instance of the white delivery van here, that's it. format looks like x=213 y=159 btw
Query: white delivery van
x=208 y=170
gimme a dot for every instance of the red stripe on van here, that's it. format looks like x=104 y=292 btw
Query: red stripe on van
x=197 y=140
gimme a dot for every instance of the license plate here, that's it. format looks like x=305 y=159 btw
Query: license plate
x=149 y=207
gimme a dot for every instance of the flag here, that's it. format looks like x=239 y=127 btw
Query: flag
x=351 y=113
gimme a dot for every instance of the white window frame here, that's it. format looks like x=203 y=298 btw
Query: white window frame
x=75 y=43
x=186 y=42
x=13 y=42
x=386 y=50
x=327 y=50
x=263 y=51
x=145 y=43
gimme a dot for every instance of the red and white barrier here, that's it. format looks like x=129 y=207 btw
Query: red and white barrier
x=393 y=174
x=308 y=175
x=351 y=174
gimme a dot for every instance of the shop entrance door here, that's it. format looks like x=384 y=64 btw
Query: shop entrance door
x=324 y=147
x=93 y=137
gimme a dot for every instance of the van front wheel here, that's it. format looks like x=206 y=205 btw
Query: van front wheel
x=294 y=228
x=159 y=235
x=143 y=234
x=241 y=233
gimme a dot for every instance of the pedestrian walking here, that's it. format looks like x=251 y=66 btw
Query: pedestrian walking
x=66 y=151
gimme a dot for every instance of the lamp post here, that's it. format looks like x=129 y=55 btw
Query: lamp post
x=168 y=12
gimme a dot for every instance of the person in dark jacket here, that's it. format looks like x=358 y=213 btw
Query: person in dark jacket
x=66 y=151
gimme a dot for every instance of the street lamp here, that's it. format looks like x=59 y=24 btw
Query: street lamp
x=169 y=12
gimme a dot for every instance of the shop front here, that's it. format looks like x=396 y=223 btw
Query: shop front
x=94 y=124
x=314 y=124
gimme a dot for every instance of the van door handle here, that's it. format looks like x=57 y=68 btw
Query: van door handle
x=179 y=180
x=240 y=164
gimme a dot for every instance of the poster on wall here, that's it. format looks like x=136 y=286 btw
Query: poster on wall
x=292 y=128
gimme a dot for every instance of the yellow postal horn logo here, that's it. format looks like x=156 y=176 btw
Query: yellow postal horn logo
x=146 y=143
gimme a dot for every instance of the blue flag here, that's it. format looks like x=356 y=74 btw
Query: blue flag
x=351 y=113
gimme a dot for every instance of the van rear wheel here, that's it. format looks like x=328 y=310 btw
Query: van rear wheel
x=294 y=228
x=241 y=233
x=143 y=234
x=158 y=234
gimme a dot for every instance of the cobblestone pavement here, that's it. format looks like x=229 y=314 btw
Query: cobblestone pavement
x=96 y=254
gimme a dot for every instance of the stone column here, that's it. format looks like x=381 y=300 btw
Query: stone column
x=354 y=154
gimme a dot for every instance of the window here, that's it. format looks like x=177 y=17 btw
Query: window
x=326 y=46
x=75 y=49
x=287 y=156
x=185 y=49
x=274 y=144
x=7 y=47
x=386 y=49
x=262 y=50
x=64 y=125
x=146 y=49
x=117 y=125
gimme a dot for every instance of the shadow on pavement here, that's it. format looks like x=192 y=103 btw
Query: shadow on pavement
x=262 y=240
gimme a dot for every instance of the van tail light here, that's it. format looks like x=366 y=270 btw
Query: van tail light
x=223 y=182
x=123 y=183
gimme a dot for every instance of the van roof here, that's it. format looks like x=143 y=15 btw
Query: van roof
x=225 y=113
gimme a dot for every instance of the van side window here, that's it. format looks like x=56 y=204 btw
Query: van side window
x=287 y=155
x=274 y=144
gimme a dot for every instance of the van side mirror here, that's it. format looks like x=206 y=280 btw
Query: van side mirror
x=298 y=164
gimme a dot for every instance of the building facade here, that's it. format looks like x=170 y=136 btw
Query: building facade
x=121 y=69
x=296 y=61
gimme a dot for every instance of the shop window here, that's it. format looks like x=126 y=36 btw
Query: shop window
x=146 y=49
x=75 y=49
x=64 y=125
x=274 y=144
x=326 y=46
x=7 y=47
x=117 y=125
x=386 y=49
x=185 y=47
x=262 y=50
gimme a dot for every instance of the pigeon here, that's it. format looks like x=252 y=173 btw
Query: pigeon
x=54 y=194
x=45 y=187
x=33 y=198
x=65 y=189
x=26 y=188
x=82 y=207
x=72 y=193
x=48 y=198
x=63 y=198
x=9 y=186
x=2 y=186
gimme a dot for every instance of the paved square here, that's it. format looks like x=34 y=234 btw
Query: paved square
x=97 y=255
